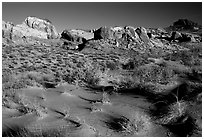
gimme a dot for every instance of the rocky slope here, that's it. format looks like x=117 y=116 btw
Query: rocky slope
x=111 y=81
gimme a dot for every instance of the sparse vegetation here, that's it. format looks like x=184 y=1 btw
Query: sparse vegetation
x=105 y=88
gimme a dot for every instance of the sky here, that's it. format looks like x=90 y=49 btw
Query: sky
x=89 y=15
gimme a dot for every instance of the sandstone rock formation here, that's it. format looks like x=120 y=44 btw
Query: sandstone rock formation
x=175 y=35
x=42 y=25
x=32 y=27
x=75 y=35
x=124 y=36
x=184 y=37
x=103 y=33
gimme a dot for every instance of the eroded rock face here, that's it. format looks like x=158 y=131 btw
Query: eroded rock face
x=103 y=33
x=42 y=25
x=78 y=36
x=32 y=27
x=142 y=32
x=175 y=35
x=23 y=31
x=185 y=37
x=126 y=37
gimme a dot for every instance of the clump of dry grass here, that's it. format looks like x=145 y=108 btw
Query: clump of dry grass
x=176 y=110
x=139 y=124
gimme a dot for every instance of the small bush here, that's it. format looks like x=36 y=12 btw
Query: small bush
x=155 y=74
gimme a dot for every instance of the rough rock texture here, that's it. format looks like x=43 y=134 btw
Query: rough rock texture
x=142 y=32
x=185 y=37
x=103 y=33
x=122 y=35
x=79 y=36
x=32 y=27
x=175 y=35
x=22 y=31
x=138 y=35
x=42 y=25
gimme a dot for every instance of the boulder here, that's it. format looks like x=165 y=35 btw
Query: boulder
x=79 y=36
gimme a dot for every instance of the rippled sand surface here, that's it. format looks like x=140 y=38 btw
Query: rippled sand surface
x=76 y=111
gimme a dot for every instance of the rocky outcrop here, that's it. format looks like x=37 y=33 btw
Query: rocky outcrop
x=175 y=35
x=103 y=33
x=184 y=37
x=78 y=36
x=32 y=27
x=42 y=25
x=142 y=32
x=123 y=35
x=23 y=31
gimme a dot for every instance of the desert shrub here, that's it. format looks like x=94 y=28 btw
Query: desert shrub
x=129 y=66
x=154 y=74
x=81 y=71
x=190 y=57
x=138 y=124
x=25 y=79
x=17 y=82
x=124 y=83
x=91 y=79
x=111 y=65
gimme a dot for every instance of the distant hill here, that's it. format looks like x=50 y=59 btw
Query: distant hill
x=184 y=25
